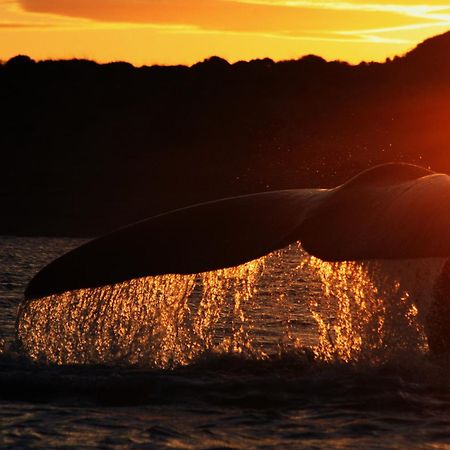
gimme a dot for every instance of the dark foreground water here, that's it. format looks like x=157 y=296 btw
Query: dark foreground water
x=285 y=369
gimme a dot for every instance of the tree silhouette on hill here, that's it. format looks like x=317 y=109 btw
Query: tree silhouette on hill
x=89 y=147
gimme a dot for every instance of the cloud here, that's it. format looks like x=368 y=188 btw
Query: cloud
x=265 y=16
x=186 y=31
x=14 y=17
x=16 y=26
x=389 y=22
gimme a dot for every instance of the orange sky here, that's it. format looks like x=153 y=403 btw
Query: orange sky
x=186 y=31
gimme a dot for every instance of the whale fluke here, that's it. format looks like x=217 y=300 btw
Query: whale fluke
x=391 y=211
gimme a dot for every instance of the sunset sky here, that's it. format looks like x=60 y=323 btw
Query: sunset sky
x=186 y=31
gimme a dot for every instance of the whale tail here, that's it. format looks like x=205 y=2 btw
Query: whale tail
x=390 y=211
x=196 y=239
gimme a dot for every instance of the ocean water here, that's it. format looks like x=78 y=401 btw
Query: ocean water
x=283 y=352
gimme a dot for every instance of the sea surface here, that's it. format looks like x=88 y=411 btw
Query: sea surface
x=286 y=352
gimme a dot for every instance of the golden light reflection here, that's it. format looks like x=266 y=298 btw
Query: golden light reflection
x=350 y=311
x=370 y=310
x=162 y=321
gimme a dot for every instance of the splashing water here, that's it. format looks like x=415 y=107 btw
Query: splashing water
x=358 y=311
x=373 y=310
x=158 y=321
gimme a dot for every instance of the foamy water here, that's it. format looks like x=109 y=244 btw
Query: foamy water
x=283 y=352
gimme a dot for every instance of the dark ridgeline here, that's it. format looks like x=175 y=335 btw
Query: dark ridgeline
x=87 y=148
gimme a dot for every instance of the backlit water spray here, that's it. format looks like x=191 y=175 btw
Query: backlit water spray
x=373 y=310
x=370 y=311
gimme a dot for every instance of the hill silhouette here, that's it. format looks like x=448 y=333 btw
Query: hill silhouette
x=433 y=52
x=88 y=147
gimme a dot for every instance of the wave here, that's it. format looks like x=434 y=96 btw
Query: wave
x=230 y=380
